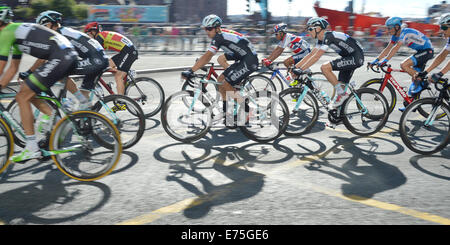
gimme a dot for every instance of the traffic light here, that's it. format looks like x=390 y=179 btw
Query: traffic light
x=248 y=6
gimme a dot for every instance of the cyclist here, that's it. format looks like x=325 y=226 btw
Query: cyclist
x=224 y=58
x=299 y=47
x=127 y=53
x=414 y=39
x=42 y=43
x=350 y=50
x=444 y=23
x=230 y=42
x=93 y=58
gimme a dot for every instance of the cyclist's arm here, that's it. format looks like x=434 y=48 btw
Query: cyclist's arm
x=275 y=53
x=446 y=68
x=37 y=64
x=394 y=50
x=385 y=51
x=10 y=72
x=306 y=58
x=438 y=60
x=202 y=61
x=313 y=59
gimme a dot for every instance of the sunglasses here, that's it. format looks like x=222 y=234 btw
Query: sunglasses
x=444 y=27
x=310 y=29
x=209 y=28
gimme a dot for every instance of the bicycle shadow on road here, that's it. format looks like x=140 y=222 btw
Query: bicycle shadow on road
x=365 y=175
x=52 y=200
x=437 y=165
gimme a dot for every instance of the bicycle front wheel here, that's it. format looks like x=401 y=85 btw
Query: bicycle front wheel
x=6 y=145
x=182 y=122
x=126 y=114
x=388 y=91
x=148 y=93
x=425 y=135
x=76 y=150
x=365 y=112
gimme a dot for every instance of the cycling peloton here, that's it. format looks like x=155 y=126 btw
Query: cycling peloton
x=444 y=23
x=42 y=43
x=414 y=39
x=93 y=58
x=350 y=50
x=299 y=47
x=232 y=43
x=121 y=62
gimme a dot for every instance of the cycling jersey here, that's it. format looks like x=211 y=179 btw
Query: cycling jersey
x=347 y=47
x=413 y=39
x=113 y=41
x=94 y=59
x=447 y=46
x=31 y=39
x=232 y=43
x=295 y=43
x=43 y=43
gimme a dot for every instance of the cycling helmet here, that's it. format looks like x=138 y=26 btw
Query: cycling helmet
x=6 y=14
x=282 y=27
x=393 y=21
x=92 y=26
x=212 y=20
x=445 y=19
x=317 y=21
x=49 y=16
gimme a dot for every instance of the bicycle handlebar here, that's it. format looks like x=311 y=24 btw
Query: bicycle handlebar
x=371 y=67
x=446 y=85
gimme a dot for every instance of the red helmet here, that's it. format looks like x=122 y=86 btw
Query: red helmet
x=92 y=26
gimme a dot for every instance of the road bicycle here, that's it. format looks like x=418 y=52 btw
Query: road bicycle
x=363 y=113
x=123 y=111
x=388 y=85
x=430 y=133
x=188 y=115
x=146 y=91
x=73 y=143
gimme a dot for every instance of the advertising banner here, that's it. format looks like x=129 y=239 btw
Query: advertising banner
x=126 y=14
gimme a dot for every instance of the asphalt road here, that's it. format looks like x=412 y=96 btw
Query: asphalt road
x=326 y=177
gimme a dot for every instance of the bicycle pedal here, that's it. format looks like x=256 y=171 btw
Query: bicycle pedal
x=331 y=125
x=119 y=108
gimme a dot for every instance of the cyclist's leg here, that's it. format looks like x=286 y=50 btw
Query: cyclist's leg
x=416 y=63
x=123 y=61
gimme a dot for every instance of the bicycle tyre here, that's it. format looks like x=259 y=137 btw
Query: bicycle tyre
x=406 y=137
x=149 y=107
x=291 y=95
x=379 y=119
x=133 y=108
x=249 y=85
x=392 y=95
x=61 y=133
x=166 y=117
x=6 y=132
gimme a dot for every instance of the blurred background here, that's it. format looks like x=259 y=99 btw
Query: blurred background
x=173 y=26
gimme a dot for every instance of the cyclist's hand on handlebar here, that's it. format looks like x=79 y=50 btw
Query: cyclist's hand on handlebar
x=375 y=62
x=436 y=77
x=420 y=75
x=266 y=62
x=187 y=74
x=297 y=71
x=383 y=63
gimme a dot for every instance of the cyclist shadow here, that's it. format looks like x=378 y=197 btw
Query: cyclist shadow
x=27 y=204
x=154 y=124
x=367 y=179
x=433 y=165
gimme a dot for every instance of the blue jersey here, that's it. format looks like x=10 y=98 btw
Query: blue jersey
x=413 y=39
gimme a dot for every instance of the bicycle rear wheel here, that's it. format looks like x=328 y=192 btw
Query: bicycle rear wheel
x=76 y=150
x=267 y=118
x=422 y=135
x=126 y=114
x=182 y=122
x=366 y=112
x=303 y=118
x=148 y=93
x=257 y=83
x=6 y=145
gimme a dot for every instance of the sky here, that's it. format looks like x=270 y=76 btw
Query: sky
x=401 y=8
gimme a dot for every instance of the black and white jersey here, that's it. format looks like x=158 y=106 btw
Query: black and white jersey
x=340 y=42
x=232 y=43
x=84 y=45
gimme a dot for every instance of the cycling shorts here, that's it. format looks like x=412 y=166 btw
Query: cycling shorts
x=347 y=66
x=125 y=58
x=91 y=68
x=421 y=58
x=58 y=66
x=241 y=69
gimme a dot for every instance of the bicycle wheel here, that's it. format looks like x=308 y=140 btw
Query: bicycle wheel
x=388 y=91
x=267 y=118
x=303 y=118
x=126 y=114
x=429 y=93
x=209 y=91
x=77 y=152
x=422 y=135
x=366 y=112
x=6 y=145
x=148 y=93
x=14 y=110
x=182 y=123
x=6 y=101
x=257 y=83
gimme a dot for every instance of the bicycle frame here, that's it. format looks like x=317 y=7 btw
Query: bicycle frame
x=388 y=78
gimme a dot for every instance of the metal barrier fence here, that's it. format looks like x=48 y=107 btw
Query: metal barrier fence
x=199 y=43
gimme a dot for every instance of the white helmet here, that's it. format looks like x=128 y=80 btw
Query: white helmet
x=212 y=20
x=6 y=14
x=445 y=19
